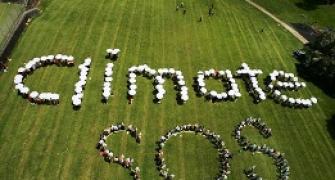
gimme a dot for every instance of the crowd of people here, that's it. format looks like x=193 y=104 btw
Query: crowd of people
x=113 y=53
x=84 y=69
x=280 y=80
x=278 y=157
x=30 y=67
x=215 y=139
x=250 y=77
x=159 y=77
x=110 y=157
x=107 y=89
x=225 y=76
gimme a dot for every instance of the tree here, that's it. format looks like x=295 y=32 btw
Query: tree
x=318 y=59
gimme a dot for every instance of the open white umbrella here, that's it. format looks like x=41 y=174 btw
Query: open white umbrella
x=132 y=80
x=184 y=88
x=184 y=97
x=159 y=96
x=78 y=90
x=203 y=90
x=33 y=94
x=18 y=86
x=183 y=92
x=108 y=79
x=213 y=93
x=21 y=70
x=181 y=83
x=202 y=84
x=133 y=86
x=314 y=100
x=25 y=90
x=132 y=92
x=132 y=75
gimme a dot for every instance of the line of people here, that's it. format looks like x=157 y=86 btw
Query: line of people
x=84 y=69
x=225 y=76
x=215 y=139
x=278 y=157
x=250 y=77
x=30 y=67
x=107 y=89
x=159 y=80
x=278 y=81
x=110 y=157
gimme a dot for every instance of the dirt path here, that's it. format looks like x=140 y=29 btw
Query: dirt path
x=285 y=25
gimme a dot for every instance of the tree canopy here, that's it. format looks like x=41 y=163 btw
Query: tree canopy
x=318 y=59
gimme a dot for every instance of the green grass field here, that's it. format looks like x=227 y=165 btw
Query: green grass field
x=56 y=142
x=8 y=15
x=289 y=10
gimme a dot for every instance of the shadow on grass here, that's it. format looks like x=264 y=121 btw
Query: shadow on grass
x=331 y=126
x=310 y=5
x=326 y=87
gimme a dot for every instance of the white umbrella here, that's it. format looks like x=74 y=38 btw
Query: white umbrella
x=181 y=83
x=107 y=89
x=159 y=86
x=107 y=84
x=58 y=56
x=21 y=70
x=44 y=58
x=202 y=84
x=184 y=97
x=132 y=80
x=132 y=92
x=133 y=86
x=314 y=100
x=110 y=65
x=183 y=92
x=109 y=73
x=106 y=94
x=162 y=91
x=25 y=90
x=231 y=93
x=78 y=90
x=33 y=94
x=184 y=88
x=203 y=90
x=132 y=75
x=159 y=96
x=18 y=86
x=108 y=79
x=224 y=95
x=76 y=102
x=213 y=93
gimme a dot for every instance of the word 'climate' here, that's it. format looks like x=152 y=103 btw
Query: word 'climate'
x=276 y=82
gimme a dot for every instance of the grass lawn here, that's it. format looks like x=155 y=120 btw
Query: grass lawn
x=56 y=142
x=8 y=14
x=291 y=11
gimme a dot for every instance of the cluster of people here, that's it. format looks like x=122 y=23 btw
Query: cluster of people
x=84 y=69
x=224 y=154
x=250 y=77
x=280 y=80
x=113 y=53
x=30 y=67
x=251 y=174
x=179 y=83
x=278 y=157
x=133 y=71
x=107 y=89
x=225 y=76
x=110 y=157
x=159 y=80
